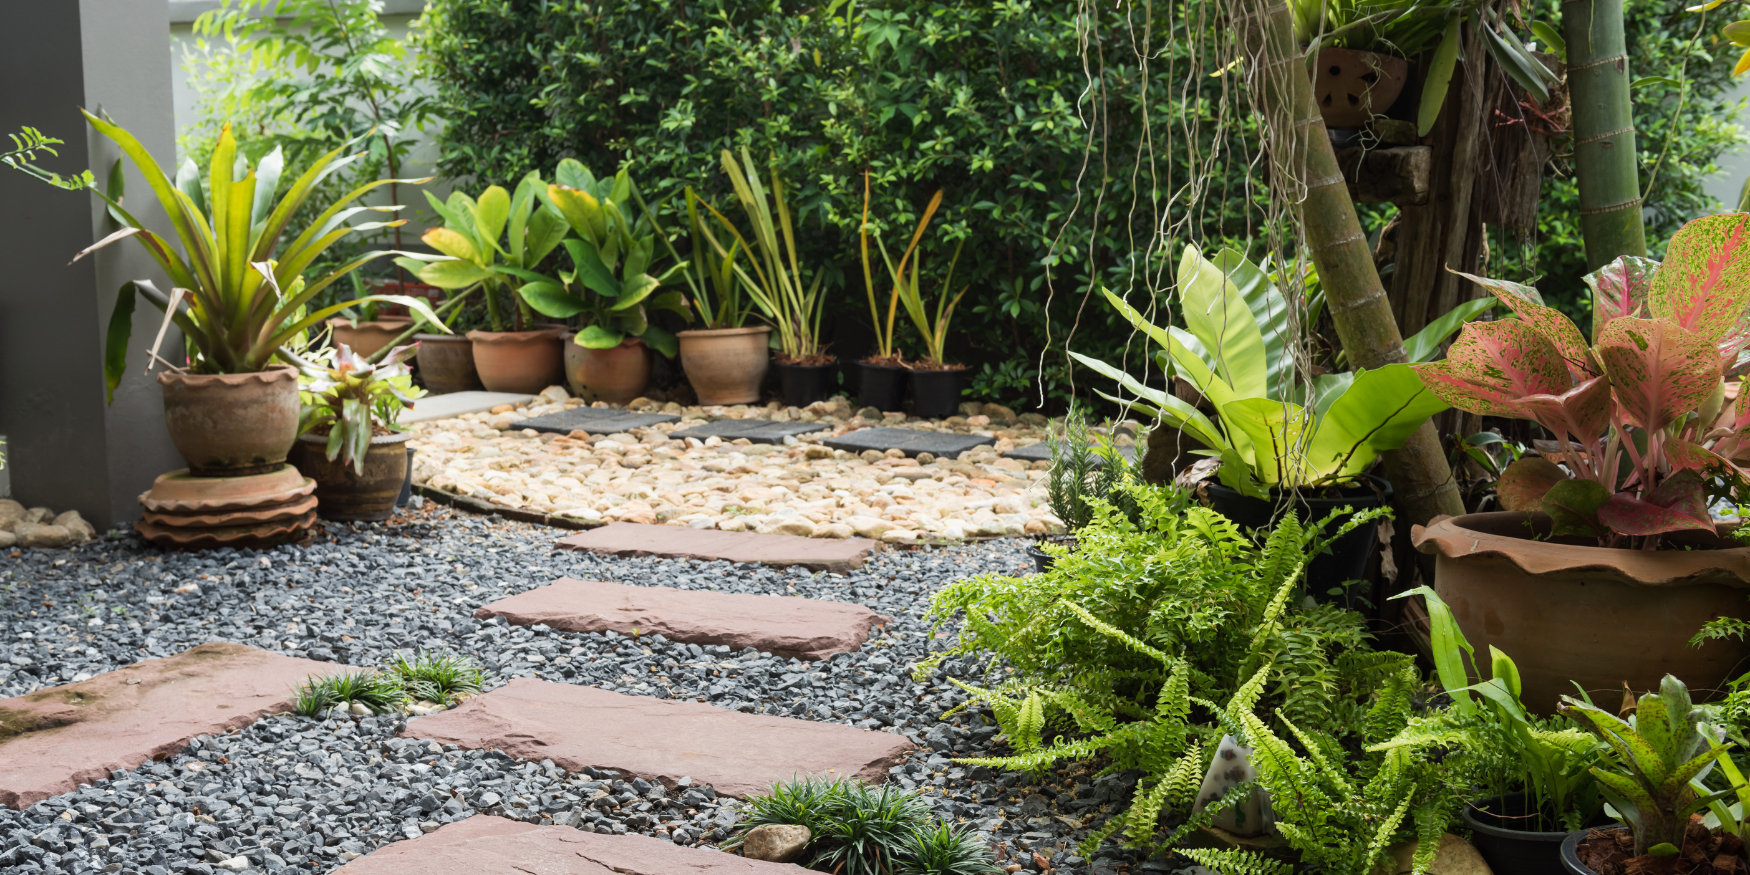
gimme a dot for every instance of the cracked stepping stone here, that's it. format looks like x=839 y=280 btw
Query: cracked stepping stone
x=759 y=431
x=910 y=441
x=53 y=740
x=783 y=625
x=1041 y=452
x=659 y=739
x=683 y=542
x=487 y=845
x=593 y=420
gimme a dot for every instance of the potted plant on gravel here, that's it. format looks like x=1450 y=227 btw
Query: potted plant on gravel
x=609 y=286
x=882 y=376
x=1086 y=469
x=935 y=384
x=352 y=443
x=1607 y=559
x=484 y=243
x=776 y=283
x=727 y=359
x=232 y=410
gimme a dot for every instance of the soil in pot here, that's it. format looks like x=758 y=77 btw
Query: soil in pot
x=935 y=392
x=1610 y=851
x=802 y=384
x=344 y=495
x=446 y=363
x=232 y=425
x=1351 y=87
x=365 y=338
x=615 y=375
x=881 y=384
x=1577 y=613
x=524 y=362
x=726 y=365
x=1498 y=831
x=1345 y=560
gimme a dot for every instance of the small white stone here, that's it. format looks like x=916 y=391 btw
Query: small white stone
x=234 y=864
x=359 y=709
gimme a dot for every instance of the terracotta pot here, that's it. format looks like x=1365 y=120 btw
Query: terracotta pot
x=615 y=375
x=1596 y=616
x=366 y=338
x=1352 y=87
x=726 y=365
x=344 y=495
x=524 y=362
x=232 y=425
x=446 y=363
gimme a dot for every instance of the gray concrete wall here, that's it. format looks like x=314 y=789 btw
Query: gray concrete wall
x=66 y=448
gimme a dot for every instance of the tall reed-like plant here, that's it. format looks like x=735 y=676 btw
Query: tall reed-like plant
x=776 y=285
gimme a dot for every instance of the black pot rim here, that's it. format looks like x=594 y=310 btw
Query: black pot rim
x=376 y=440
x=1571 y=853
x=870 y=367
x=780 y=364
x=1475 y=825
x=1382 y=491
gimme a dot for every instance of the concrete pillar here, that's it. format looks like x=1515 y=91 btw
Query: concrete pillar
x=66 y=449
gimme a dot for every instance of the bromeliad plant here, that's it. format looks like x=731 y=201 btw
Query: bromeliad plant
x=350 y=398
x=1273 y=430
x=235 y=301
x=489 y=243
x=1642 y=431
x=611 y=256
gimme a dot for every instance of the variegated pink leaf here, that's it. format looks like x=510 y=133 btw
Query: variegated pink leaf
x=1704 y=282
x=1582 y=413
x=1658 y=371
x=1494 y=364
x=1558 y=329
x=1678 y=504
x=1523 y=483
x=1685 y=456
x=1737 y=415
x=1619 y=289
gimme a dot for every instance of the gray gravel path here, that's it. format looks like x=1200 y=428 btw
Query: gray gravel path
x=300 y=795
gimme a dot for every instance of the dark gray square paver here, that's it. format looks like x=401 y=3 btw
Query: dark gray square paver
x=759 y=431
x=594 y=420
x=1041 y=452
x=906 y=440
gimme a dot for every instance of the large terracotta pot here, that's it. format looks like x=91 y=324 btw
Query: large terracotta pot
x=365 y=338
x=615 y=375
x=1596 y=616
x=446 y=363
x=232 y=425
x=524 y=362
x=344 y=495
x=726 y=365
x=1352 y=87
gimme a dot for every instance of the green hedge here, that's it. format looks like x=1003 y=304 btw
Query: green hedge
x=988 y=101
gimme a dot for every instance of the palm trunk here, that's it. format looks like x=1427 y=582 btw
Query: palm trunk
x=1605 y=164
x=1357 y=302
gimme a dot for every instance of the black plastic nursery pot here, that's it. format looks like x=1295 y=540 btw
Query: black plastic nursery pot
x=407 y=484
x=936 y=393
x=802 y=385
x=1347 y=557
x=1571 y=853
x=1507 y=850
x=881 y=386
x=1042 y=561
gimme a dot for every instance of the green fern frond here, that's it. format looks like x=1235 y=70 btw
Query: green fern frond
x=1230 y=861
x=1114 y=632
x=1185 y=778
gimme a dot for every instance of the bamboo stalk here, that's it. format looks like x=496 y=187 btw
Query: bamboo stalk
x=1605 y=162
x=1354 y=296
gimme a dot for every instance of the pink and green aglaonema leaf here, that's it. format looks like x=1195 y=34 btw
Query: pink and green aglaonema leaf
x=1581 y=413
x=1658 y=370
x=1572 y=506
x=1559 y=330
x=1525 y=482
x=1678 y=504
x=1685 y=456
x=1704 y=282
x=1494 y=364
x=1619 y=289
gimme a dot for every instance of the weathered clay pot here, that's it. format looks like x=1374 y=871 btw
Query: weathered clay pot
x=344 y=495
x=1352 y=87
x=726 y=365
x=1569 y=612
x=615 y=375
x=524 y=362
x=231 y=425
x=365 y=338
x=446 y=363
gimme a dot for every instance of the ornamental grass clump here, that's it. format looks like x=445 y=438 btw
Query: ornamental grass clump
x=443 y=678
x=379 y=692
x=856 y=829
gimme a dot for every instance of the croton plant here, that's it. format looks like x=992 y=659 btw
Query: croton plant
x=1645 y=437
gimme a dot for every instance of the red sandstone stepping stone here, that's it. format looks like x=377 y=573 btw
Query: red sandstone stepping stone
x=659 y=739
x=487 y=845
x=784 y=625
x=682 y=542
x=53 y=740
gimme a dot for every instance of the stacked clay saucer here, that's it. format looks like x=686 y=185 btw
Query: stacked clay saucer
x=259 y=510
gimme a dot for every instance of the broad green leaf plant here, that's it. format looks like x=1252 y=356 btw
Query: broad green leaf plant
x=486 y=243
x=1271 y=431
x=236 y=299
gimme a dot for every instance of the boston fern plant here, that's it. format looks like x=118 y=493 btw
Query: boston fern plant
x=351 y=398
x=238 y=295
